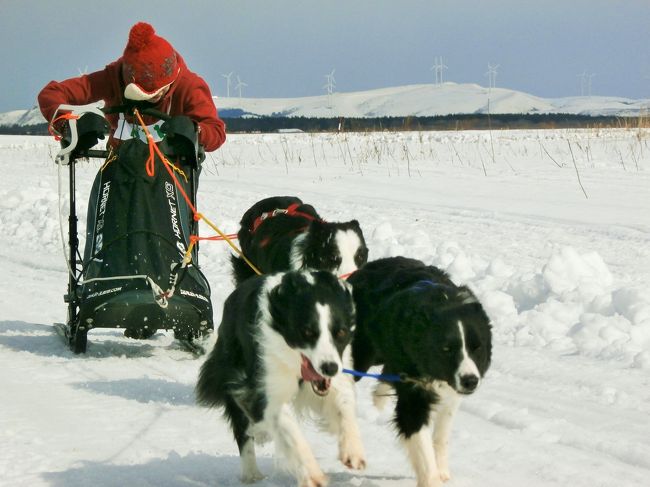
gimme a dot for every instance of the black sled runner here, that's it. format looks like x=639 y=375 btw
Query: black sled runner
x=133 y=274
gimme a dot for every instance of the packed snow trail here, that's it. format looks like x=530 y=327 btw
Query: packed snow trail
x=564 y=278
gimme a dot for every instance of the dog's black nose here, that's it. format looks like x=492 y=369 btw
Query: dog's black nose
x=329 y=368
x=468 y=382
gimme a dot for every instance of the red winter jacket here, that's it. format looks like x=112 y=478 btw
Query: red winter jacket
x=189 y=95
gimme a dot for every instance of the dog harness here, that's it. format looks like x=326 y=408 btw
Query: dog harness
x=291 y=210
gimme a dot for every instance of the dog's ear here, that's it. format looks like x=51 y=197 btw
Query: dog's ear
x=292 y=285
x=466 y=296
x=282 y=295
x=277 y=304
x=317 y=227
x=319 y=234
x=289 y=297
x=355 y=224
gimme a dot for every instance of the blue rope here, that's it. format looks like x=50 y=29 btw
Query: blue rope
x=384 y=377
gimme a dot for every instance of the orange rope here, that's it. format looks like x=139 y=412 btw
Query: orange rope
x=150 y=166
x=64 y=116
x=197 y=216
x=232 y=236
x=150 y=171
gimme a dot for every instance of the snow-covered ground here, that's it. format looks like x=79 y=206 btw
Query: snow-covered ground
x=550 y=228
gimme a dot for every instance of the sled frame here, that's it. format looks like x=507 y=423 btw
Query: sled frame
x=75 y=333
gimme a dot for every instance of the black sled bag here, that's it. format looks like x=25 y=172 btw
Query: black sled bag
x=138 y=231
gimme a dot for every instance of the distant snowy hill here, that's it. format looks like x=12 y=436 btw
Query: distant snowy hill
x=22 y=117
x=430 y=100
x=402 y=101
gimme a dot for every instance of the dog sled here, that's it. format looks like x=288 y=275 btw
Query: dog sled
x=139 y=268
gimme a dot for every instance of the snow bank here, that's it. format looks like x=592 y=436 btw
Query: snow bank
x=570 y=304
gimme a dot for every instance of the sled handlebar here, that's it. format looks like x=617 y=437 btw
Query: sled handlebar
x=144 y=110
x=63 y=157
x=68 y=153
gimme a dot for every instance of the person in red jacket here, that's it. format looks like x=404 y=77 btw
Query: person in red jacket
x=150 y=71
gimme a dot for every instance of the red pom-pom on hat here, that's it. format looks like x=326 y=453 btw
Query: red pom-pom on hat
x=140 y=35
x=149 y=61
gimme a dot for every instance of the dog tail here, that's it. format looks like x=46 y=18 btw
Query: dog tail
x=241 y=270
x=219 y=381
x=208 y=388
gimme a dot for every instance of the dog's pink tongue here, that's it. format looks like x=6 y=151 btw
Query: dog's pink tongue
x=307 y=370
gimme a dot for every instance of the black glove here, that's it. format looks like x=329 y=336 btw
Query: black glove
x=180 y=125
x=181 y=136
x=90 y=128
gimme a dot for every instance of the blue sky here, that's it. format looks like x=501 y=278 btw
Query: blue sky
x=283 y=48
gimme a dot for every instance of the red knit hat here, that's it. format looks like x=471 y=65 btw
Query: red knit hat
x=149 y=63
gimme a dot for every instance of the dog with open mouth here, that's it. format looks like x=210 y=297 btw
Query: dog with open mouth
x=282 y=233
x=434 y=341
x=284 y=340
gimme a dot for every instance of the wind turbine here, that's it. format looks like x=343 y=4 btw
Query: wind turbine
x=583 y=82
x=589 y=83
x=330 y=83
x=437 y=69
x=492 y=75
x=85 y=70
x=329 y=86
x=240 y=85
x=227 y=76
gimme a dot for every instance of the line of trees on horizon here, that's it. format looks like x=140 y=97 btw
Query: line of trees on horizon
x=442 y=122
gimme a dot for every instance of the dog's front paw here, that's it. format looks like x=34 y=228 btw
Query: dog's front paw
x=252 y=477
x=315 y=479
x=445 y=474
x=354 y=461
x=351 y=453
x=443 y=462
x=430 y=482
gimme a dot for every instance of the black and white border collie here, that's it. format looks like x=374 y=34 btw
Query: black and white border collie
x=282 y=233
x=419 y=325
x=284 y=339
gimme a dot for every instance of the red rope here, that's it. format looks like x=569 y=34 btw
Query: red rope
x=150 y=166
x=197 y=215
x=291 y=210
x=53 y=131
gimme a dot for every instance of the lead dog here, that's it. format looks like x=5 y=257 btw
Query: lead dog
x=283 y=233
x=285 y=338
x=434 y=338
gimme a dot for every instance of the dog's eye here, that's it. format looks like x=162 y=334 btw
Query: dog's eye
x=307 y=333
x=341 y=333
